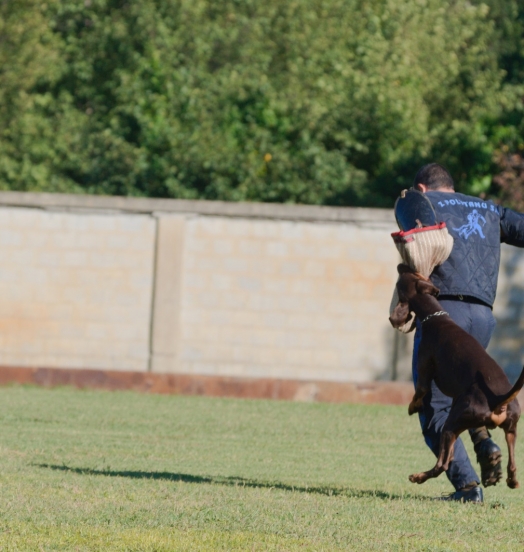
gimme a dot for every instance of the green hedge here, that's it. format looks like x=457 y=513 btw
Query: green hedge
x=310 y=101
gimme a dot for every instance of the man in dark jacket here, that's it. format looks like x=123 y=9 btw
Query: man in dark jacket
x=468 y=282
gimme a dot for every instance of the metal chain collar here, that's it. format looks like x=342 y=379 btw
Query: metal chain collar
x=439 y=313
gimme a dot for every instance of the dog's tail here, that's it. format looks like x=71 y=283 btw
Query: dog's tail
x=511 y=394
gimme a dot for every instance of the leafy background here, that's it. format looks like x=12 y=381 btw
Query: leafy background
x=331 y=102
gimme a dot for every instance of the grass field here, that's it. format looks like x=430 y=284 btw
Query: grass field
x=85 y=470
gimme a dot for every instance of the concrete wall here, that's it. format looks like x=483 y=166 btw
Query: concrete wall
x=210 y=288
x=75 y=289
x=507 y=344
x=276 y=298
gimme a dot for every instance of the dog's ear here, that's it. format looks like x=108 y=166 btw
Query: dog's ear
x=423 y=286
x=403 y=268
x=400 y=315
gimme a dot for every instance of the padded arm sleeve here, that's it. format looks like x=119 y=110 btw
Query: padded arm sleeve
x=511 y=227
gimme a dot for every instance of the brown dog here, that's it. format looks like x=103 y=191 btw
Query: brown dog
x=482 y=394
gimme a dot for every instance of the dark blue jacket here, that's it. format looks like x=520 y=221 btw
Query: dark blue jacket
x=478 y=227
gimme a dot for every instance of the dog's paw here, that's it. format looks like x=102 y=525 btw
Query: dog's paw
x=418 y=478
x=413 y=408
x=512 y=483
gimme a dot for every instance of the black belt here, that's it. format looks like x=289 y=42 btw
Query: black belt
x=464 y=299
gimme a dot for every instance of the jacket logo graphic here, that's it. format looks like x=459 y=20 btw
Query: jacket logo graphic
x=474 y=225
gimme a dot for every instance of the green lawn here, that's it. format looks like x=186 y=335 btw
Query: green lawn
x=85 y=470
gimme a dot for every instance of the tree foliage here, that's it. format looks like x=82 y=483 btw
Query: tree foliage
x=332 y=101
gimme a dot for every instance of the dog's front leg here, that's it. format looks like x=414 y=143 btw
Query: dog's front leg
x=416 y=402
x=447 y=445
x=425 y=376
x=512 y=482
x=422 y=388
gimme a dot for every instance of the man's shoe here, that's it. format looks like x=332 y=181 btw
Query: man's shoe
x=472 y=494
x=489 y=456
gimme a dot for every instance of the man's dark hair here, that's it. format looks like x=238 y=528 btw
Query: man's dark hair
x=434 y=176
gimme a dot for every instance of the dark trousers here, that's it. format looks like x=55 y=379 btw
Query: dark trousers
x=477 y=320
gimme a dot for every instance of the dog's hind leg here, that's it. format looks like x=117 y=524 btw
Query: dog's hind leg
x=447 y=444
x=512 y=482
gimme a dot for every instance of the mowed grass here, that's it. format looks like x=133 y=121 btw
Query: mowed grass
x=86 y=470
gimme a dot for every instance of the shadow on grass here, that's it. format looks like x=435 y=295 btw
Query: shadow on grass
x=239 y=482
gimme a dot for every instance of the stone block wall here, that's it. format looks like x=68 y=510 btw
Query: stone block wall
x=507 y=344
x=75 y=290
x=293 y=299
x=211 y=288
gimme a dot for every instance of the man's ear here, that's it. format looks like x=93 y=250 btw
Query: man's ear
x=424 y=286
x=400 y=315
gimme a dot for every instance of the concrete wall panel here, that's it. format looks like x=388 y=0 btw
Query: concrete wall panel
x=286 y=299
x=75 y=289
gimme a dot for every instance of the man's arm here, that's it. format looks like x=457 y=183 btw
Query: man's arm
x=511 y=227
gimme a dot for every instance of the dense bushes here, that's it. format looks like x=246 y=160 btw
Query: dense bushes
x=313 y=101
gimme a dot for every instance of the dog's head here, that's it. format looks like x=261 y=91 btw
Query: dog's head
x=409 y=285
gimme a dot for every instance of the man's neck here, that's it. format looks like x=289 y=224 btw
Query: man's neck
x=424 y=188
